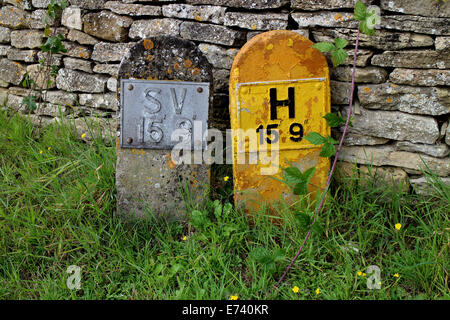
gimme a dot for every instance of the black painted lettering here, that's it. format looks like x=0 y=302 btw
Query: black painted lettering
x=274 y=103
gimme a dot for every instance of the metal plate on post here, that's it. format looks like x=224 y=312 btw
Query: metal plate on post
x=151 y=110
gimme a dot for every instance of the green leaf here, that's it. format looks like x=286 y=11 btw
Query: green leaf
x=304 y=219
x=47 y=31
x=364 y=28
x=308 y=174
x=30 y=102
x=338 y=57
x=328 y=150
x=340 y=43
x=199 y=219
x=301 y=188
x=331 y=140
x=261 y=255
x=217 y=209
x=324 y=46
x=360 y=12
x=315 y=138
x=292 y=174
x=334 y=120
x=278 y=255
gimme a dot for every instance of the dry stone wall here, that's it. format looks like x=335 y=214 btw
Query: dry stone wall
x=402 y=102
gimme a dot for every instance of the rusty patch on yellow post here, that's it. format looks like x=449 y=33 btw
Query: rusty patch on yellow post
x=278 y=82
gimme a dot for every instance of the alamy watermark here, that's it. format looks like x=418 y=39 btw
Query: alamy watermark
x=74 y=280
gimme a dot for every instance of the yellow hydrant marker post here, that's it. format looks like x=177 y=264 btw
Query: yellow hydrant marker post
x=279 y=92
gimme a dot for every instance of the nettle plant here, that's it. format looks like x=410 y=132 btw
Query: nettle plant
x=298 y=181
x=47 y=70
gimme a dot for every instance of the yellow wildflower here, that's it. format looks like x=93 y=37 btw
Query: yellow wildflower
x=49 y=148
x=359 y=273
x=83 y=135
x=317 y=291
x=296 y=289
x=364 y=274
x=184 y=238
x=396 y=275
x=41 y=152
x=226 y=178
x=234 y=297
x=398 y=226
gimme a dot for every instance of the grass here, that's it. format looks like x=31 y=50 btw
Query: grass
x=57 y=204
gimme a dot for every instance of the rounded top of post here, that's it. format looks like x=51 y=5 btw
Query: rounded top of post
x=278 y=55
x=165 y=58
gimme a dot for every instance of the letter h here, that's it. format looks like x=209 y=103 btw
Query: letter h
x=274 y=103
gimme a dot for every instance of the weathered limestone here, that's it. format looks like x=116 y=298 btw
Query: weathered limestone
x=423 y=59
x=78 y=64
x=14 y=18
x=5 y=35
x=148 y=28
x=22 y=55
x=427 y=25
x=71 y=80
x=88 y=4
x=386 y=40
x=382 y=176
x=89 y=127
x=111 y=84
x=40 y=76
x=362 y=57
x=38 y=18
x=132 y=9
x=107 y=52
x=23 y=4
x=221 y=77
x=325 y=19
x=56 y=58
x=415 y=77
x=219 y=57
x=81 y=37
x=4 y=50
x=147 y=179
x=211 y=33
x=107 y=25
x=447 y=136
x=253 y=21
x=355 y=139
x=416 y=100
x=340 y=92
x=51 y=110
x=442 y=44
x=71 y=18
x=76 y=51
x=214 y=14
x=12 y=72
x=314 y=5
x=106 y=101
x=388 y=156
x=437 y=150
x=362 y=75
x=248 y=4
x=40 y=3
x=61 y=98
x=419 y=7
x=396 y=125
x=423 y=185
x=27 y=39
x=111 y=69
